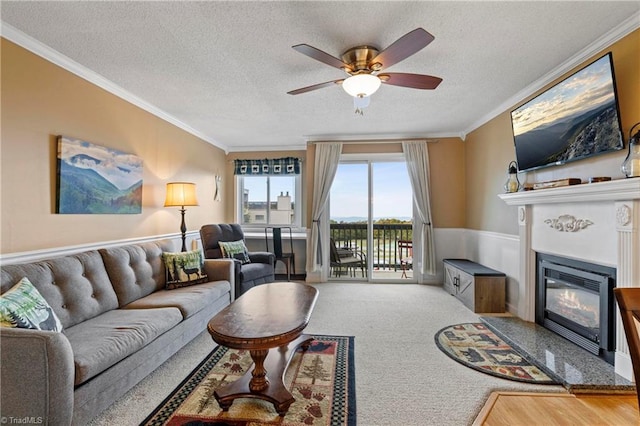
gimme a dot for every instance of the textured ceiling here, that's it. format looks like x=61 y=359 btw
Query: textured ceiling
x=223 y=69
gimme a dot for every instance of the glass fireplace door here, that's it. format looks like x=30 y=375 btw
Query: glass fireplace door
x=575 y=303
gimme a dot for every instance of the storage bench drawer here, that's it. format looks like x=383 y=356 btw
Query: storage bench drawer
x=479 y=288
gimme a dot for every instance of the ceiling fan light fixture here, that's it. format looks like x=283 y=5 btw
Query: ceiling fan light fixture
x=363 y=85
x=361 y=101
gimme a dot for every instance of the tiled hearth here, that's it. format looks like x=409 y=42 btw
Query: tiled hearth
x=579 y=370
x=591 y=222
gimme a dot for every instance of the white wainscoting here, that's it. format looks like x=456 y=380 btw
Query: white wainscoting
x=491 y=249
x=500 y=252
x=450 y=243
x=497 y=251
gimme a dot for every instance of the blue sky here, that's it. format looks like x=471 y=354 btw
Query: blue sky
x=391 y=189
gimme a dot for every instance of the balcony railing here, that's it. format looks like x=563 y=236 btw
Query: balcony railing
x=384 y=254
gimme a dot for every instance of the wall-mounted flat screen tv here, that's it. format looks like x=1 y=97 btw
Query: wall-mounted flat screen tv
x=575 y=119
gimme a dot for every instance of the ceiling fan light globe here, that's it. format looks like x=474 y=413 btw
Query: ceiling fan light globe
x=361 y=85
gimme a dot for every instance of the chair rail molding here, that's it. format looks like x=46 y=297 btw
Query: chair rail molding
x=38 y=255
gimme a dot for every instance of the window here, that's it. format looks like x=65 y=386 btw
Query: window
x=268 y=192
x=269 y=200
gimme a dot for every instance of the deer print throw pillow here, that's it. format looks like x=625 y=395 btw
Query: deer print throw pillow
x=184 y=269
x=235 y=250
x=22 y=306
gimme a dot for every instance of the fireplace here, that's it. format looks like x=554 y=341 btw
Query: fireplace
x=575 y=300
x=606 y=231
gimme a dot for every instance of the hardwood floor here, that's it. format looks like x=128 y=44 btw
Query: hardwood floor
x=522 y=408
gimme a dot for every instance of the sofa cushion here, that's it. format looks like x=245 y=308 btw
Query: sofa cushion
x=235 y=250
x=136 y=270
x=101 y=342
x=76 y=287
x=23 y=307
x=184 y=269
x=190 y=300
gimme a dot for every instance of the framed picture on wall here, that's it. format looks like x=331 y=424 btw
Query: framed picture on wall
x=93 y=179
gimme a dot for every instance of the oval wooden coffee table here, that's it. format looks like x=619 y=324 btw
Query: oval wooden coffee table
x=267 y=320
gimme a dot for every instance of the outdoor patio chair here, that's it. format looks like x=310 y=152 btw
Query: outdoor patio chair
x=405 y=253
x=348 y=260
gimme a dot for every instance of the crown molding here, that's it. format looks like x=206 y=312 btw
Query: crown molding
x=23 y=40
x=268 y=148
x=625 y=28
x=379 y=138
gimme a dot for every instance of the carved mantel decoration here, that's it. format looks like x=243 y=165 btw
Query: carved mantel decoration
x=623 y=214
x=568 y=223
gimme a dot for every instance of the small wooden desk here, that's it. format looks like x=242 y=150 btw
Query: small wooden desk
x=266 y=320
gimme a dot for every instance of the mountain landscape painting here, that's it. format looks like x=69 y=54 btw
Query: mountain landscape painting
x=93 y=179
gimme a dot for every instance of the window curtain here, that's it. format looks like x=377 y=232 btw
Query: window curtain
x=326 y=165
x=273 y=166
x=417 y=157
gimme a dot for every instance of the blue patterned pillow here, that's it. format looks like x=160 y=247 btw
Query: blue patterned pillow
x=22 y=306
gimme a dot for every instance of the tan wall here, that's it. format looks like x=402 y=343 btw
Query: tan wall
x=489 y=149
x=41 y=100
x=446 y=159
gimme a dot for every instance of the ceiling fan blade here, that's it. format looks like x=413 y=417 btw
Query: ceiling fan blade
x=314 y=87
x=321 y=56
x=402 y=48
x=414 y=81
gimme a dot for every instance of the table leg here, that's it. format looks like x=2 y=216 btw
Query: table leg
x=265 y=380
x=259 y=381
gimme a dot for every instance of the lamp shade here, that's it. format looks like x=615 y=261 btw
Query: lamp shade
x=361 y=85
x=181 y=194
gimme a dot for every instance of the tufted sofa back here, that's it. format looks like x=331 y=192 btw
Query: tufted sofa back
x=84 y=285
x=136 y=270
x=77 y=287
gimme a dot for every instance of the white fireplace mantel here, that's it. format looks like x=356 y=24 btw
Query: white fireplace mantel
x=614 y=190
x=612 y=236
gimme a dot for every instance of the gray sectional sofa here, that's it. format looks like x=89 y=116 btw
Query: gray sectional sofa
x=119 y=323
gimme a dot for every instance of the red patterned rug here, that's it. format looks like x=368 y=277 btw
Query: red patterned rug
x=476 y=346
x=321 y=379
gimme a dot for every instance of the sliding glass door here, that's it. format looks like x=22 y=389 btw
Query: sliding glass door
x=371 y=210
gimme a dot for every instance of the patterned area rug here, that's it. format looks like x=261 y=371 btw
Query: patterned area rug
x=321 y=379
x=477 y=347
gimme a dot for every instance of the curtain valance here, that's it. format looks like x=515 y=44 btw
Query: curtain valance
x=273 y=166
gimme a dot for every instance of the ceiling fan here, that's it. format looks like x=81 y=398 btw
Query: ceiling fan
x=364 y=63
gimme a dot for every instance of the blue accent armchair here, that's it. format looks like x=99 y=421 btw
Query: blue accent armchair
x=260 y=270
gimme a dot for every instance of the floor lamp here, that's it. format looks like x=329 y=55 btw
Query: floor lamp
x=181 y=194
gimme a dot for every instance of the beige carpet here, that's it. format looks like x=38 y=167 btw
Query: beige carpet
x=402 y=378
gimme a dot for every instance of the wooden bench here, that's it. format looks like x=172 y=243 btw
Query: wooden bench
x=479 y=288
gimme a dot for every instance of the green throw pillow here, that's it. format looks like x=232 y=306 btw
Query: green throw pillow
x=22 y=306
x=184 y=269
x=235 y=250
